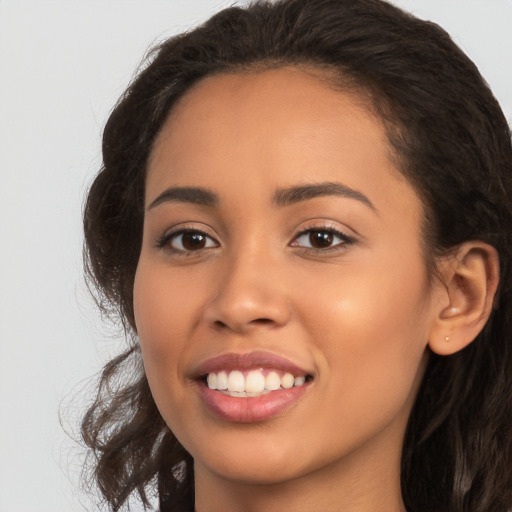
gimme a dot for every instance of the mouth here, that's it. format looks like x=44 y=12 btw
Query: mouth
x=246 y=388
x=253 y=383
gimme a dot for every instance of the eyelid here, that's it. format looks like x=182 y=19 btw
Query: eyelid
x=163 y=241
x=320 y=225
x=325 y=226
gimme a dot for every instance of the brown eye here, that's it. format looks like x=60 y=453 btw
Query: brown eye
x=193 y=241
x=190 y=241
x=321 y=239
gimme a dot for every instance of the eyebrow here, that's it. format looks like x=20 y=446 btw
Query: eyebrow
x=292 y=195
x=194 y=195
x=282 y=197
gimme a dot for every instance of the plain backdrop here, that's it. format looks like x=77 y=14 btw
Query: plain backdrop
x=63 y=65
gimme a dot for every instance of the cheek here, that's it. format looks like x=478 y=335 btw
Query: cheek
x=160 y=314
x=166 y=304
x=371 y=334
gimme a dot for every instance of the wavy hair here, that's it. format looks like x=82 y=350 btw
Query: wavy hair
x=451 y=142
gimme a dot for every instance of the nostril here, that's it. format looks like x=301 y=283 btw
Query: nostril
x=239 y=304
x=262 y=321
x=257 y=321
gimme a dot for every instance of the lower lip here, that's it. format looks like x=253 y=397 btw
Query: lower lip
x=250 y=409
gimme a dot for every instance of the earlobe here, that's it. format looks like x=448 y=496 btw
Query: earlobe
x=469 y=282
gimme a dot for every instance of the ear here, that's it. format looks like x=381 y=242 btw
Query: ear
x=469 y=279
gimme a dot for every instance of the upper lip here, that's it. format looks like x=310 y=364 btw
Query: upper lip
x=249 y=361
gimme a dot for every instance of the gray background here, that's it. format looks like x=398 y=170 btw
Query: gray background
x=63 y=64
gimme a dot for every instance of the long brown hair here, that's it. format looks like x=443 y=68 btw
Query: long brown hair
x=451 y=142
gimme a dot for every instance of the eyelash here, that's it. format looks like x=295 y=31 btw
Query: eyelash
x=345 y=240
x=165 y=241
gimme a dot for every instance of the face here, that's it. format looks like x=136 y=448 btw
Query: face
x=282 y=264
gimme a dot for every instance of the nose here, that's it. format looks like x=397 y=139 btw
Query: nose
x=249 y=292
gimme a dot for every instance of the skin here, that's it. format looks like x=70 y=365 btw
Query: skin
x=358 y=315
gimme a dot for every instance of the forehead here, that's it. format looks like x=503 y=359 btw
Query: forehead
x=288 y=102
x=273 y=128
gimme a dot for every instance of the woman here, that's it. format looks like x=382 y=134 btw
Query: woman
x=303 y=221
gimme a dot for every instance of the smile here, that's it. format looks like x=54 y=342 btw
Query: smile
x=258 y=382
x=246 y=388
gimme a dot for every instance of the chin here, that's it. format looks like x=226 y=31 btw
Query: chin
x=260 y=459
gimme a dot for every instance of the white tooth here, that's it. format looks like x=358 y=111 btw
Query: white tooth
x=238 y=394
x=287 y=380
x=272 y=381
x=236 y=381
x=212 y=381
x=299 y=381
x=222 y=380
x=254 y=382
